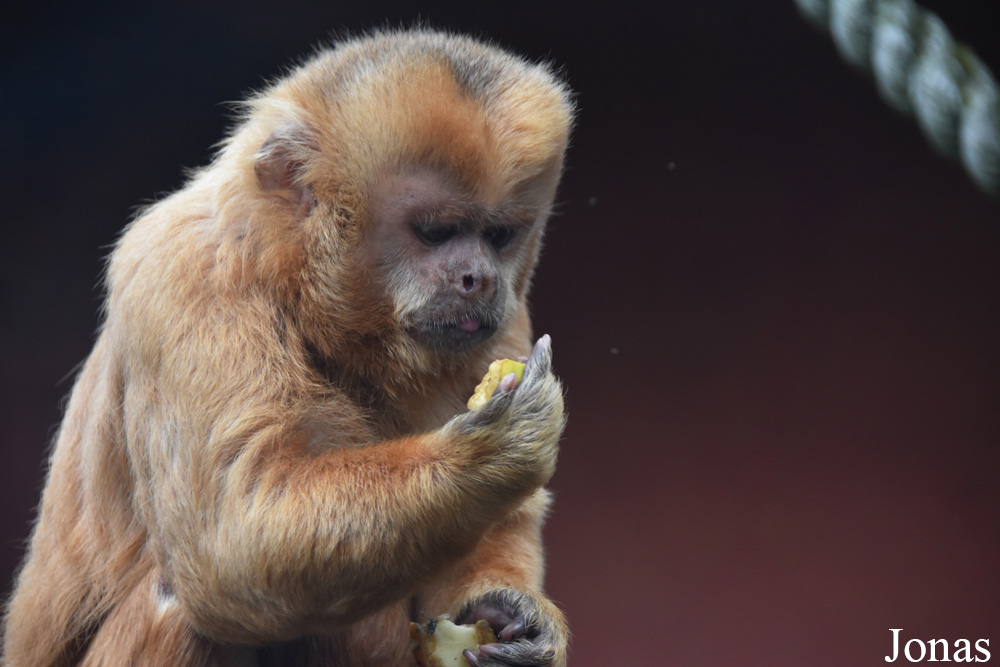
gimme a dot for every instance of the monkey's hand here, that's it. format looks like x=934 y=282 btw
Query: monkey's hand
x=517 y=431
x=531 y=630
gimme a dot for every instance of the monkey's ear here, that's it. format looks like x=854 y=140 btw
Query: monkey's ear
x=278 y=167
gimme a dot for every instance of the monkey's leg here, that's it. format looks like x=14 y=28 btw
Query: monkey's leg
x=148 y=629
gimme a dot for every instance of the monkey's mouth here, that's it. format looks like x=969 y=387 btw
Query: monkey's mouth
x=470 y=324
x=461 y=332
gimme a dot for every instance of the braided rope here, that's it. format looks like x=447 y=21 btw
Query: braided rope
x=920 y=70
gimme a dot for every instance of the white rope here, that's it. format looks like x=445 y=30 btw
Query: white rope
x=919 y=69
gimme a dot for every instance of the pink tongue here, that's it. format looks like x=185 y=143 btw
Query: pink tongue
x=469 y=324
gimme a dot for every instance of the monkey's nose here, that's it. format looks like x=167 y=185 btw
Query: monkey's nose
x=476 y=285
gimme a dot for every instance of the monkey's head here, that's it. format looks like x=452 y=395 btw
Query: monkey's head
x=399 y=192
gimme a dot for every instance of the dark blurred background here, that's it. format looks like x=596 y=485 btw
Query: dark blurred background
x=776 y=310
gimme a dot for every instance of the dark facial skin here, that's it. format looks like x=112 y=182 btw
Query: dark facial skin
x=451 y=256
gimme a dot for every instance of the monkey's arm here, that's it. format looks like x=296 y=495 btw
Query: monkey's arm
x=270 y=525
x=501 y=582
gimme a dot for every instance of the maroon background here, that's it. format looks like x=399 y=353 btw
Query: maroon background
x=775 y=309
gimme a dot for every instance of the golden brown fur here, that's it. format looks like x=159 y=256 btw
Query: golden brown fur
x=259 y=464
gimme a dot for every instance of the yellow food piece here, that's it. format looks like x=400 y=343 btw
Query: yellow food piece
x=440 y=642
x=498 y=370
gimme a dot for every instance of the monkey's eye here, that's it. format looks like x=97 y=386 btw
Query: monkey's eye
x=434 y=235
x=499 y=237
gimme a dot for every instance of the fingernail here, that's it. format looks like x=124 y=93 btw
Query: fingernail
x=493 y=650
x=513 y=630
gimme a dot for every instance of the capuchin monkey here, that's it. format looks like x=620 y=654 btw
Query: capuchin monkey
x=267 y=459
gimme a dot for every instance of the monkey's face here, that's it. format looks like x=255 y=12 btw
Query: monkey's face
x=450 y=260
x=418 y=200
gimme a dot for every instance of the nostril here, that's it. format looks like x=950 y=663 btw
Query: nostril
x=468 y=283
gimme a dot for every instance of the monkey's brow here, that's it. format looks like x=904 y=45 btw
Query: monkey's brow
x=479 y=215
x=509 y=214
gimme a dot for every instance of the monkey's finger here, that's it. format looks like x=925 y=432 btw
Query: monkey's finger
x=485 y=657
x=514 y=630
x=507 y=383
x=541 y=355
x=492 y=410
x=519 y=653
x=542 y=345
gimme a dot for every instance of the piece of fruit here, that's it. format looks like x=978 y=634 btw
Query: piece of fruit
x=498 y=370
x=440 y=643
